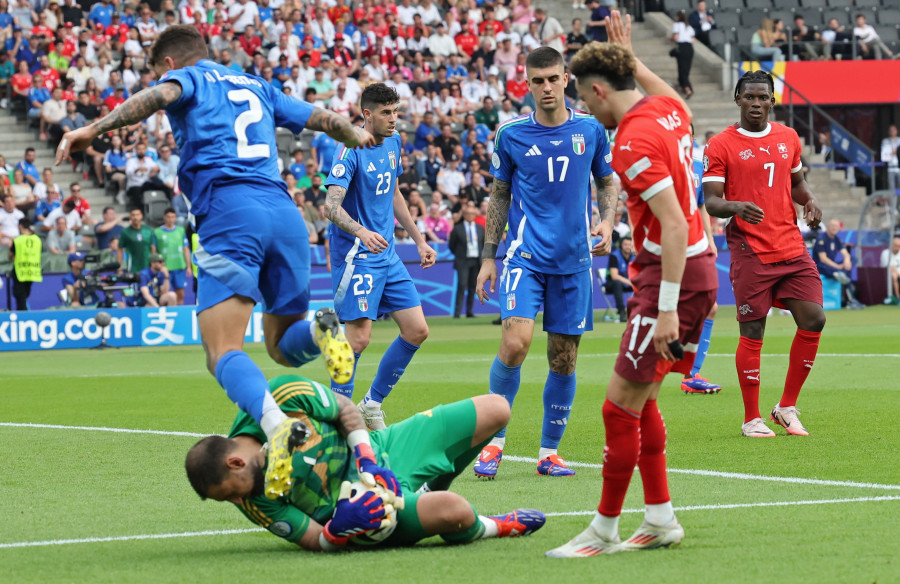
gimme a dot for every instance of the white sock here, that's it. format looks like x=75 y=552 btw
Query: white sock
x=545 y=452
x=498 y=441
x=606 y=527
x=272 y=416
x=491 y=529
x=659 y=514
x=371 y=404
x=313 y=328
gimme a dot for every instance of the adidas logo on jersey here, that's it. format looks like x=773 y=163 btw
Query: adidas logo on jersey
x=371 y=167
x=533 y=151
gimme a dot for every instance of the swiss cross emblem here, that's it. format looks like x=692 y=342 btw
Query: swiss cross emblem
x=782 y=148
x=393 y=160
x=578 y=143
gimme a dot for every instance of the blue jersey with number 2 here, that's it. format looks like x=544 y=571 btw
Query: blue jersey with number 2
x=224 y=123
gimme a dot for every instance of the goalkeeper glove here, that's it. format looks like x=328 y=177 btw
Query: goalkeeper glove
x=363 y=512
x=370 y=474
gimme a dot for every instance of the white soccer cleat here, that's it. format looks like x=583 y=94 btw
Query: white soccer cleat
x=586 y=544
x=374 y=418
x=787 y=417
x=650 y=537
x=756 y=428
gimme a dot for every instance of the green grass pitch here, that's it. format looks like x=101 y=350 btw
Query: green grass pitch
x=93 y=506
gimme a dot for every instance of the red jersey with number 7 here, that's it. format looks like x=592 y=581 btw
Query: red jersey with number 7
x=757 y=167
x=653 y=151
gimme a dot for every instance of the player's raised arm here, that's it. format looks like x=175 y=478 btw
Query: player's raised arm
x=607 y=200
x=497 y=216
x=619 y=30
x=339 y=128
x=135 y=109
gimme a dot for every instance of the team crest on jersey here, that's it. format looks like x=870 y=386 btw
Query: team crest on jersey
x=747 y=154
x=363 y=303
x=783 y=150
x=510 y=301
x=578 y=143
x=393 y=160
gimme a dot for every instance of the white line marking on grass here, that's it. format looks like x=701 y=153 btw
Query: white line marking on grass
x=55 y=542
x=575 y=464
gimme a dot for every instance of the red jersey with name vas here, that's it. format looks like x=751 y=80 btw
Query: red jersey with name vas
x=653 y=151
x=757 y=167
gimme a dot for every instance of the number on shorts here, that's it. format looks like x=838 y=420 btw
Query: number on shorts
x=517 y=272
x=636 y=323
x=243 y=121
x=358 y=285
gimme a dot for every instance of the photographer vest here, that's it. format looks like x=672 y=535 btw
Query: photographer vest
x=28 y=258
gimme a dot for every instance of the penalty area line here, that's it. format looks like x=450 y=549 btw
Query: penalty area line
x=725 y=506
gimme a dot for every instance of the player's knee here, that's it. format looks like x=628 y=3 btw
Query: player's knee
x=276 y=355
x=814 y=322
x=513 y=350
x=454 y=512
x=713 y=311
x=493 y=411
x=416 y=334
x=358 y=343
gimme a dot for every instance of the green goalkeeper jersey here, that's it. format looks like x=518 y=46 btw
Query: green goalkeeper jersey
x=171 y=245
x=321 y=464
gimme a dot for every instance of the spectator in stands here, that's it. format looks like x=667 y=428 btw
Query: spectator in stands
x=138 y=171
x=9 y=220
x=476 y=187
x=21 y=192
x=837 y=42
x=52 y=113
x=115 y=163
x=617 y=282
x=486 y=116
x=28 y=168
x=21 y=83
x=61 y=240
x=806 y=38
x=575 y=39
x=312 y=170
x=762 y=43
x=437 y=227
x=441 y=44
x=153 y=288
x=431 y=165
x=44 y=208
x=868 y=39
x=67 y=210
x=450 y=180
x=315 y=192
x=683 y=37
x=297 y=167
x=37 y=95
x=833 y=261
x=702 y=21
x=46 y=183
x=322 y=149
x=135 y=239
x=550 y=31
x=517 y=87
x=446 y=141
x=890 y=259
x=889 y=148
x=465 y=241
x=108 y=230
x=73 y=119
x=426 y=132
x=80 y=203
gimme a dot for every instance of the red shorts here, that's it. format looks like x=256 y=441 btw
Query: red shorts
x=758 y=286
x=638 y=360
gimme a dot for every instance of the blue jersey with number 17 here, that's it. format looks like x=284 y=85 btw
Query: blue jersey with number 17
x=549 y=170
x=370 y=177
x=224 y=123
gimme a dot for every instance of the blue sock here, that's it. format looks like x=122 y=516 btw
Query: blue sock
x=298 y=345
x=504 y=381
x=346 y=389
x=559 y=393
x=243 y=381
x=392 y=366
x=703 y=346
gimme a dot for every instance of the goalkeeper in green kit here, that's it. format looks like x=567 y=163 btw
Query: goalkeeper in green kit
x=404 y=469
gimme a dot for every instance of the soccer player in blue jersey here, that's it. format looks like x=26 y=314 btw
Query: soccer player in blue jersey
x=542 y=167
x=367 y=275
x=693 y=382
x=253 y=242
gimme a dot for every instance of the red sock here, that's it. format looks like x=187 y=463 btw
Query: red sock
x=620 y=455
x=652 y=460
x=803 y=355
x=747 y=360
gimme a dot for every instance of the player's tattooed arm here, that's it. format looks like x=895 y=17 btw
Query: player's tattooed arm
x=138 y=107
x=339 y=128
x=562 y=352
x=497 y=216
x=336 y=213
x=607 y=197
x=349 y=418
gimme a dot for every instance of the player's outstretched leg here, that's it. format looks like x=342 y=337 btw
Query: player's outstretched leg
x=289 y=434
x=456 y=521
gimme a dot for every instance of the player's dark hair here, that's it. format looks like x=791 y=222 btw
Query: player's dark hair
x=610 y=61
x=182 y=42
x=544 y=57
x=205 y=463
x=754 y=77
x=378 y=94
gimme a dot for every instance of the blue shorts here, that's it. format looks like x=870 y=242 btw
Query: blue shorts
x=253 y=243
x=177 y=279
x=567 y=299
x=363 y=291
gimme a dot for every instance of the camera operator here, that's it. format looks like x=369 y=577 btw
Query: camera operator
x=153 y=289
x=84 y=288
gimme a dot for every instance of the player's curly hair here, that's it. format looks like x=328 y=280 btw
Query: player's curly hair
x=544 y=57
x=182 y=42
x=378 y=94
x=754 y=77
x=205 y=463
x=611 y=61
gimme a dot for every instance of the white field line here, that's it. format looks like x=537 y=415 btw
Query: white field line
x=57 y=542
x=426 y=361
x=574 y=464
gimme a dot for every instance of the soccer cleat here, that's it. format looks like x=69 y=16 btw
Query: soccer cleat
x=756 y=428
x=649 y=537
x=488 y=462
x=374 y=418
x=586 y=544
x=697 y=384
x=519 y=522
x=787 y=417
x=334 y=346
x=288 y=436
x=554 y=466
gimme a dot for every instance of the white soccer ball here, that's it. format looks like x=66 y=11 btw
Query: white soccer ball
x=379 y=535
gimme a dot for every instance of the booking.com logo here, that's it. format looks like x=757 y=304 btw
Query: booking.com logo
x=49 y=332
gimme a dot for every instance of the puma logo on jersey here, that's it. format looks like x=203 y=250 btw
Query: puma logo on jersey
x=632 y=359
x=371 y=167
x=626 y=147
x=766 y=150
x=534 y=151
